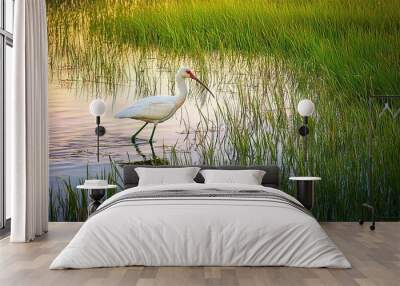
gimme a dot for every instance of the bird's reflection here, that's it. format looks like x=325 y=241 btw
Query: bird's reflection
x=153 y=160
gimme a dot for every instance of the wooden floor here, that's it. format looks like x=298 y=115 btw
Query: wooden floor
x=375 y=257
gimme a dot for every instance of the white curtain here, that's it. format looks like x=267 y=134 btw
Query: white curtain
x=27 y=124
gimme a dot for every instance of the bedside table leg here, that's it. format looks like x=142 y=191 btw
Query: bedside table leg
x=305 y=193
x=96 y=196
x=93 y=207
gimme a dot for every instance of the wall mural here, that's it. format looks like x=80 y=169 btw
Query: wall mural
x=256 y=59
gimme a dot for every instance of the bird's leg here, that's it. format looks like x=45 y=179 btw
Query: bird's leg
x=152 y=133
x=133 y=138
x=140 y=153
x=152 y=151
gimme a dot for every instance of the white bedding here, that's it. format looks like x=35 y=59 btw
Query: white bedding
x=200 y=231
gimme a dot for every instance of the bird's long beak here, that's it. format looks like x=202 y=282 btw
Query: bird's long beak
x=192 y=76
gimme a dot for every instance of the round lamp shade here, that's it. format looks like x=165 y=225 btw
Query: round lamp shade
x=97 y=107
x=306 y=107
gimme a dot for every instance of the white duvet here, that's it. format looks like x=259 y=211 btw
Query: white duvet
x=200 y=231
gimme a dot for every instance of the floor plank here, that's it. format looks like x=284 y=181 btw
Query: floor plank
x=375 y=257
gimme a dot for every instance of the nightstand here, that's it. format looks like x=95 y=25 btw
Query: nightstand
x=305 y=190
x=96 y=194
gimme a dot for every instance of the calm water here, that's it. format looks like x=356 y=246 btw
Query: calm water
x=71 y=126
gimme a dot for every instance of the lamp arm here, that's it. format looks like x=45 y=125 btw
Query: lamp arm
x=98 y=138
x=305 y=122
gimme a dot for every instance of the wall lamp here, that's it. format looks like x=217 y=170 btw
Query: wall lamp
x=98 y=108
x=305 y=108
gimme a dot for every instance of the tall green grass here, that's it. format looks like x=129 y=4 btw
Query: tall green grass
x=352 y=44
x=335 y=52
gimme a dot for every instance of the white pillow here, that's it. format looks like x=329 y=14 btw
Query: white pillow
x=248 y=177
x=166 y=176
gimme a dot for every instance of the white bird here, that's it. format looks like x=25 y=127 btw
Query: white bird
x=157 y=109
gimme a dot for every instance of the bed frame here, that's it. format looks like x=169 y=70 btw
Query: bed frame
x=270 y=179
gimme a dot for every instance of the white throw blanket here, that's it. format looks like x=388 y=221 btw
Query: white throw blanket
x=253 y=230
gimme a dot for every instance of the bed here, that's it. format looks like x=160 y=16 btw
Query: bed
x=198 y=224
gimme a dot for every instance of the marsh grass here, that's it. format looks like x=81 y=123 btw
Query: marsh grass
x=275 y=52
x=350 y=43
